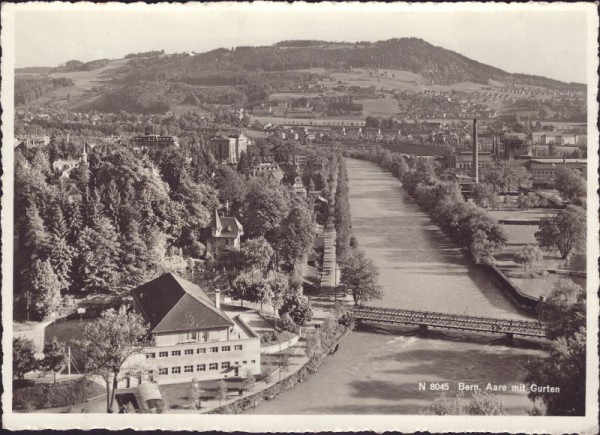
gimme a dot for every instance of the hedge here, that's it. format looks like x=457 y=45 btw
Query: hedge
x=41 y=396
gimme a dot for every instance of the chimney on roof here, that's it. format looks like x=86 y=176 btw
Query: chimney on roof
x=218 y=298
x=475 y=153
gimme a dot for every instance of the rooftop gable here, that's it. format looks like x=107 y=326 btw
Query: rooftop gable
x=171 y=303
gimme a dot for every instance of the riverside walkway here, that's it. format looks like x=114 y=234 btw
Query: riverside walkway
x=426 y=319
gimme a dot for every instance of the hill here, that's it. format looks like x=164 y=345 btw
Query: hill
x=436 y=64
x=33 y=70
x=155 y=82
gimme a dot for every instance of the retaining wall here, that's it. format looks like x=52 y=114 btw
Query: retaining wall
x=522 y=299
x=277 y=347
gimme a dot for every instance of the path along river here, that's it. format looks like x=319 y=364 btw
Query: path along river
x=378 y=371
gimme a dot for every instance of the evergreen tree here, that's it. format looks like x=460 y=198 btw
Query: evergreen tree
x=111 y=200
x=74 y=221
x=96 y=266
x=61 y=260
x=43 y=289
x=135 y=259
x=57 y=226
x=35 y=237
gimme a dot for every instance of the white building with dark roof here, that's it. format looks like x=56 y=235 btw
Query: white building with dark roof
x=192 y=337
x=225 y=233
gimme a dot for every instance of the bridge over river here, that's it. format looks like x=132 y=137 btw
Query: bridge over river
x=462 y=322
x=378 y=371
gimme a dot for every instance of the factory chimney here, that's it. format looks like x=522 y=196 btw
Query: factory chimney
x=475 y=153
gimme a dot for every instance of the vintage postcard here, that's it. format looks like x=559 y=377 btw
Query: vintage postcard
x=300 y=217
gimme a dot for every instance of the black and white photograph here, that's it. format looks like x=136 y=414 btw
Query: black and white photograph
x=300 y=217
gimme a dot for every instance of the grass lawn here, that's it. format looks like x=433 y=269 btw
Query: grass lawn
x=68 y=331
x=542 y=286
x=532 y=213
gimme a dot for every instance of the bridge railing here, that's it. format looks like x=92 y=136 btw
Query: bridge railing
x=448 y=320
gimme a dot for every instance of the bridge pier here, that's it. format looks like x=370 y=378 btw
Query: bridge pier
x=510 y=338
x=422 y=329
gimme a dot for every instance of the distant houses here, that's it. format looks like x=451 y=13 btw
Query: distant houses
x=152 y=141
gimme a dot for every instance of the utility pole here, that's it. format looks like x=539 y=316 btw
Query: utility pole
x=69 y=364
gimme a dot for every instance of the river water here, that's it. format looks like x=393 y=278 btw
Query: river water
x=378 y=369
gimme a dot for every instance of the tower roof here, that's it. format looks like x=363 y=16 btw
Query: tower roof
x=217 y=221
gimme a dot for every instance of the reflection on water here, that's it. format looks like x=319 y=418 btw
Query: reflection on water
x=378 y=370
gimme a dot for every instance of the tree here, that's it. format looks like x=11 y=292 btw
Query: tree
x=564 y=309
x=109 y=342
x=481 y=403
x=42 y=289
x=564 y=231
x=297 y=307
x=264 y=208
x=296 y=235
x=195 y=394
x=96 y=266
x=257 y=253
x=267 y=373
x=240 y=289
x=279 y=288
x=35 y=236
x=249 y=382
x=359 y=276
x=55 y=357
x=484 y=194
x=24 y=360
x=528 y=255
x=221 y=391
x=565 y=367
x=571 y=185
x=527 y=201
x=60 y=256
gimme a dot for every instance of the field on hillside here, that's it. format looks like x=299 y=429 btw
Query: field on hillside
x=87 y=86
x=391 y=81
x=381 y=107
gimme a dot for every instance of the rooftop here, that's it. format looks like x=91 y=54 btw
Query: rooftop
x=170 y=303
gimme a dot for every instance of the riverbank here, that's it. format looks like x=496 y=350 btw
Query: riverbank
x=377 y=369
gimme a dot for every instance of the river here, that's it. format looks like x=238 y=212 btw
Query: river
x=377 y=370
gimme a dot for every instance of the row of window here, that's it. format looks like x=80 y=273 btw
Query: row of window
x=214 y=349
x=199 y=368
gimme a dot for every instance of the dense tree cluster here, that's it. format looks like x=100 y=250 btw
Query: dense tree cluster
x=343 y=223
x=571 y=185
x=563 y=232
x=467 y=223
x=28 y=88
x=409 y=54
x=565 y=366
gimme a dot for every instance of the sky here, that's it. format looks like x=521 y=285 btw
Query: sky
x=542 y=41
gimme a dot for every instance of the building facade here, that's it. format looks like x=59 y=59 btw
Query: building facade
x=544 y=171
x=225 y=233
x=141 y=143
x=228 y=149
x=192 y=337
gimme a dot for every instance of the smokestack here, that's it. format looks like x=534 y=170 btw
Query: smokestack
x=218 y=298
x=475 y=153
